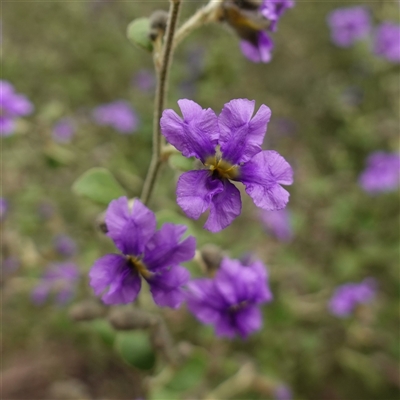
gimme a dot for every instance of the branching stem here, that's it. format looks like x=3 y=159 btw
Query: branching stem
x=159 y=102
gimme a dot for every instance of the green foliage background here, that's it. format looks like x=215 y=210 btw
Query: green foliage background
x=69 y=57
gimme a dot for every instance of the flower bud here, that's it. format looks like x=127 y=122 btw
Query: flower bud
x=158 y=24
x=212 y=256
x=86 y=311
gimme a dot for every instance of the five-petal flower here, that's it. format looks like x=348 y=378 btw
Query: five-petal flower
x=147 y=253
x=229 y=146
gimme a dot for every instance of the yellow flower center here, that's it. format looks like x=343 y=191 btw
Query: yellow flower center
x=221 y=168
x=139 y=266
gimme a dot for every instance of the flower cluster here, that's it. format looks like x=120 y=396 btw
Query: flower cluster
x=349 y=25
x=349 y=295
x=12 y=106
x=231 y=301
x=229 y=146
x=251 y=22
x=118 y=114
x=382 y=173
x=3 y=208
x=387 y=41
x=146 y=253
x=61 y=280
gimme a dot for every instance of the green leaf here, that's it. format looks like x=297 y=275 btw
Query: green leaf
x=104 y=330
x=180 y=163
x=99 y=185
x=190 y=374
x=135 y=349
x=57 y=155
x=138 y=33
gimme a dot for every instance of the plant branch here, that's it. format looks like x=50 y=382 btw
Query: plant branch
x=204 y=15
x=159 y=102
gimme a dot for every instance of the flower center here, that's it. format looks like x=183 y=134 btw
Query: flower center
x=220 y=168
x=138 y=265
x=237 y=307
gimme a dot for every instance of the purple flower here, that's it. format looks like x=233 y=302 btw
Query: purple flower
x=65 y=245
x=64 y=130
x=349 y=295
x=387 y=42
x=3 y=208
x=382 y=173
x=12 y=106
x=283 y=392
x=144 y=80
x=231 y=301
x=349 y=25
x=10 y=265
x=229 y=146
x=60 y=279
x=259 y=49
x=119 y=114
x=274 y=9
x=154 y=256
x=278 y=223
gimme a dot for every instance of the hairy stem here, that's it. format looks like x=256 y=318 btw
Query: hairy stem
x=159 y=102
x=206 y=14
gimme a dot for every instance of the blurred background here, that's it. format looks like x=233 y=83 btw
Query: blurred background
x=331 y=108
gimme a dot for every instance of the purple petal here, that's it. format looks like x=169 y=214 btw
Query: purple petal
x=166 y=286
x=165 y=249
x=224 y=326
x=263 y=175
x=7 y=126
x=248 y=320
x=194 y=135
x=259 y=51
x=224 y=208
x=40 y=293
x=130 y=231
x=241 y=136
x=195 y=190
x=203 y=301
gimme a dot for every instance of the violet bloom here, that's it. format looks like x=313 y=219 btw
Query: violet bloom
x=278 y=223
x=387 y=42
x=61 y=280
x=382 y=173
x=231 y=300
x=283 y=392
x=274 y=9
x=64 y=130
x=259 y=49
x=65 y=245
x=144 y=80
x=229 y=146
x=3 y=208
x=12 y=106
x=348 y=296
x=119 y=114
x=349 y=25
x=154 y=256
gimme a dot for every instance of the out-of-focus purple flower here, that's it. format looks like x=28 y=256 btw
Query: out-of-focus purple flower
x=64 y=130
x=382 y=173
x=258 y=50
x=118 y=114
x=349 y=25
x=12 y=106
x=10 y=265
x=278 y=223
x=274 y=9
x=346 y=297
x=229 y=146
x=61 y=280
x=283 y=392
x=45 y=210
x=144 y=80
x=3 y=207
x=231 y=300
x=146 y=253
x=387 y=42
x=65 y=245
